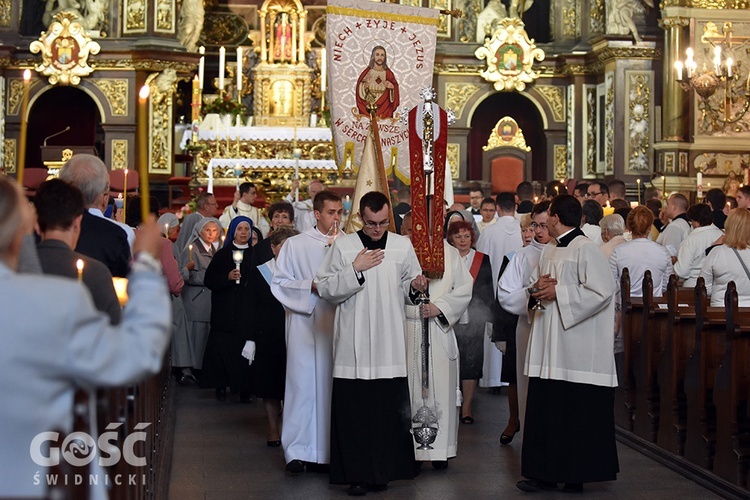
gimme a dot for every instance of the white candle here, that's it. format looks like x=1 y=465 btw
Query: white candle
x=239 y=71
x=717 y=60
x=190 y=250
x=222 y=62
x=729 y=67
x=201 y=65
x=699 y=182
x=678 y=67
x=323 y=73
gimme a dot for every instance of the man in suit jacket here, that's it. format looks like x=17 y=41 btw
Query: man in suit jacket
x=59 y=208
x=55 y=340
x=101 y=239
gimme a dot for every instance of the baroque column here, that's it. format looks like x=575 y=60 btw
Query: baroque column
x=675 y=100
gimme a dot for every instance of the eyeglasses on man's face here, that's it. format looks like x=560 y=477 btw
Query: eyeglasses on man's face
x=542 y=225
x=382 y=224
x=594 y=194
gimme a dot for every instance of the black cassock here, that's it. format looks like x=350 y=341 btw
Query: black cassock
x=223 y=364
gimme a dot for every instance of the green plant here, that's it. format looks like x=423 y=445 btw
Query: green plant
x=225 y=106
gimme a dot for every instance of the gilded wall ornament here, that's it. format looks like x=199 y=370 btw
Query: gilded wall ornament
x=561 y=161
x=555 y=98
x=510 y=57
x=163 y=86
x=9 y=156
x=134 y=20
x=453 y=157
x=638 y=120
x=570 y=19
x=65 y=49
x=571 y=135
x=596 y=21
x=457 y=95
x=445 y=21
x=5 y=12
x=165 y=16
x=223 y=28
x=609 y=123
x=119 y=154
x=589 y=104
x=458 y=69
x=116 y=92
x=506 y=133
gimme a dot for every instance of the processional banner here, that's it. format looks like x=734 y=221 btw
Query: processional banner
x=379 y=53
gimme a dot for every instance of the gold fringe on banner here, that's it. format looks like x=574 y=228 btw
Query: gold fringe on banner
x=382 y=15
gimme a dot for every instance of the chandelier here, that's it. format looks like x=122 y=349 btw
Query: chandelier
x=723 y=91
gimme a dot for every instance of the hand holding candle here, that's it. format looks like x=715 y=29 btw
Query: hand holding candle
x=237 y=257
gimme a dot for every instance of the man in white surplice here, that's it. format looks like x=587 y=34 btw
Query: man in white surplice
x=304 y=217
x=449 y=298
x=497 y=241
x=305 y=434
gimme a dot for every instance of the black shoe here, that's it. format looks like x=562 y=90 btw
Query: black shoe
x=573 y=488
x=507 y=439
x=534 y=485
x=439 y=464
x=187 y=379
x=295 y=467
x=221 y=393
x=357 y=490
x=273 y=444
x=318 y=468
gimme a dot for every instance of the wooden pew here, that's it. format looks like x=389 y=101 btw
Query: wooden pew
x=679 y=342
x=625 y=395
x=731 y=394
x=653 y=331
x=700 y=375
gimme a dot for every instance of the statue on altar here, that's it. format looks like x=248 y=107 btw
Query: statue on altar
x=190 y=24
x=488 y=18
x=282 y=45
x=377 y=84
x=91 y=14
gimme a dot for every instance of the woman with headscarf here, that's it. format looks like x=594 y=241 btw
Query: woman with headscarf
x=196 y=297
x=227 y=277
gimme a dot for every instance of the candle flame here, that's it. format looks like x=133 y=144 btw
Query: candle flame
x=26 y=76
x=144 y=93
x=607 y=203
x=79 y=265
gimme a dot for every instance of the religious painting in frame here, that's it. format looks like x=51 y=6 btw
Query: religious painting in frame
x=683 y=163
x=669 y=158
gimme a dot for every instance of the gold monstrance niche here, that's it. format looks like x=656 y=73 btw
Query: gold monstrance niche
x=283 y=81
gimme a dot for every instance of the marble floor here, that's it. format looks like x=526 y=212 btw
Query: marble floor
x=220 y=453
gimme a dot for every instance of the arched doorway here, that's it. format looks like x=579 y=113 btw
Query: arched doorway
x=61 y=107
x=515 y=105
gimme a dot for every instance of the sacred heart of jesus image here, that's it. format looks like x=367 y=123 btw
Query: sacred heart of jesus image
x=377 y=85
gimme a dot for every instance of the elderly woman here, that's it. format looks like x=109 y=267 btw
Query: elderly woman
x=613 y=227
x=471 y=326
x=730 y=261
x=641 y=254
x=200 y=249
x=527 y=232
x=223 y=365
x=268 y=335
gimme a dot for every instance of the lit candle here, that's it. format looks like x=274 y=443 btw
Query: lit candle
x=557 y=190
x=699 y=182
x=121 y=290
x=196 y=104
x=166 y=230
x=79 y=266
x=201 y=65
x=239 y=72
x=729 y=67
x=678 y=67
x=608 y=209
x=190 y=251
x=536 y=200
x=237 y=257
x=323 y=72
x=143 y=150
x=24 y=128
x=638 y=181
x=222 y=62
x=125 y=194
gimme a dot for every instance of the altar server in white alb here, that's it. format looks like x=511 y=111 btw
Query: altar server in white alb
x=570 y=430
x=449 y=298
x=305 y=434
x=368 y=275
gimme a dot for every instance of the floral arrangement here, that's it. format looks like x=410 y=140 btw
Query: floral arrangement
x=225 y=106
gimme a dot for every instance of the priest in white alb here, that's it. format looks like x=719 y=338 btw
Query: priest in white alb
x=570 y=430
x=305 y=433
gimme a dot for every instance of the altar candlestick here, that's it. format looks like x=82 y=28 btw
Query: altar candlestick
x=638 y=181
x=143 y=96
x=222 y=62
x=201 y=65
x=24 y=128
x=323 y=72
x=79 y=266
x=239 y=74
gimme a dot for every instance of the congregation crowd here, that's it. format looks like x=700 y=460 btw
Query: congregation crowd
x=337 y=332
